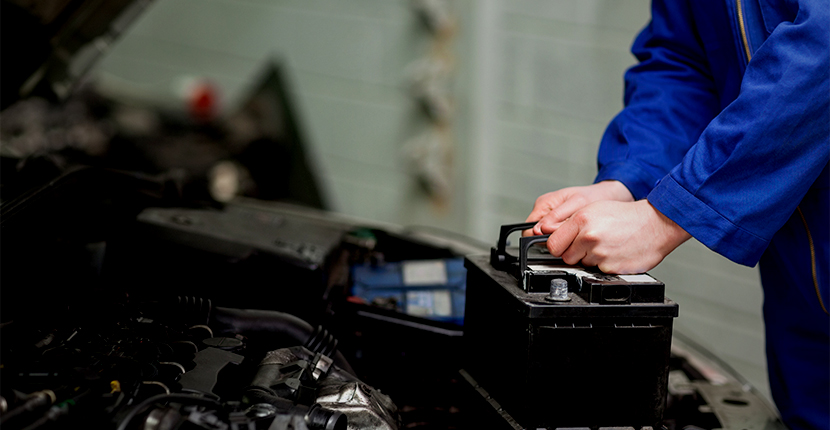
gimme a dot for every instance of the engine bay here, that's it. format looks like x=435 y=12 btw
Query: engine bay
x=123 y=309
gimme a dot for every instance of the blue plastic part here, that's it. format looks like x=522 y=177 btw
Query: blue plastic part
x=386 y=282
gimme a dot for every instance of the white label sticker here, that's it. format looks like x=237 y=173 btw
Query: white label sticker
x=640 y=279
x=426 y=272
x=579 y=273
x=429 y=303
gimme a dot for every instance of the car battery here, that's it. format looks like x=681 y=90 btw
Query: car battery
x=595 y=354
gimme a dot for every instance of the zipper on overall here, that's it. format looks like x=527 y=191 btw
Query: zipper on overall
x=748 y=52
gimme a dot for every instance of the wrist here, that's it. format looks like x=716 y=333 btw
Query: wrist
x=672 y=233
x=615 y=190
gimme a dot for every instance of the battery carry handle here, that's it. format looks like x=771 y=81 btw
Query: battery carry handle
x=524 y=245
x=501 y=260
x=505 y=231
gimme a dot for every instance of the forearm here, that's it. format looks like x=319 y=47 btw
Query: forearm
x=670 y=97
x=757 y=159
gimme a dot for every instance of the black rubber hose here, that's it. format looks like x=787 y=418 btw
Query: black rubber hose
x=283 y=328
x=35 y=402
x=321 y=418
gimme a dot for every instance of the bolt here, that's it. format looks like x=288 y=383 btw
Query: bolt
x=558 y=291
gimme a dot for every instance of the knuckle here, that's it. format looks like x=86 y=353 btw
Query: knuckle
x=569 y=259
x=553 y=215
x=599 y=254
x=581 y=218
x=592 y=237
x=589 y=260
x=596 y=256
x=549 y=224
x=608 y=267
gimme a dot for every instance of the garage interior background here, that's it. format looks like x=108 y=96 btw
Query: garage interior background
x=531 y=86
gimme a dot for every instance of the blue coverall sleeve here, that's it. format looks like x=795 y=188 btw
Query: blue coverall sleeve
x=745 y=176
x=736 y=175
x=670 y=97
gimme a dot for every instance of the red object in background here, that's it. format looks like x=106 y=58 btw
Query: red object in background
x=203 y=102
x=358 y=300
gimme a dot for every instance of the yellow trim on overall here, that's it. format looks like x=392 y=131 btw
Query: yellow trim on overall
x=812 y=259
x=742 y=26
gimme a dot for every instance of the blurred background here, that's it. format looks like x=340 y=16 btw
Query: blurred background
x=448 y=114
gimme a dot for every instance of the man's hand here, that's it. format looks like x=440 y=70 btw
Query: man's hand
x=552 y=209
x=618 y=237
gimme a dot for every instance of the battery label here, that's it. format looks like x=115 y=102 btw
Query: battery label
x=430 y=303
x=424 y=272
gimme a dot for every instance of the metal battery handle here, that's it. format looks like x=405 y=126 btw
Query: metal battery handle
x=524 y=245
